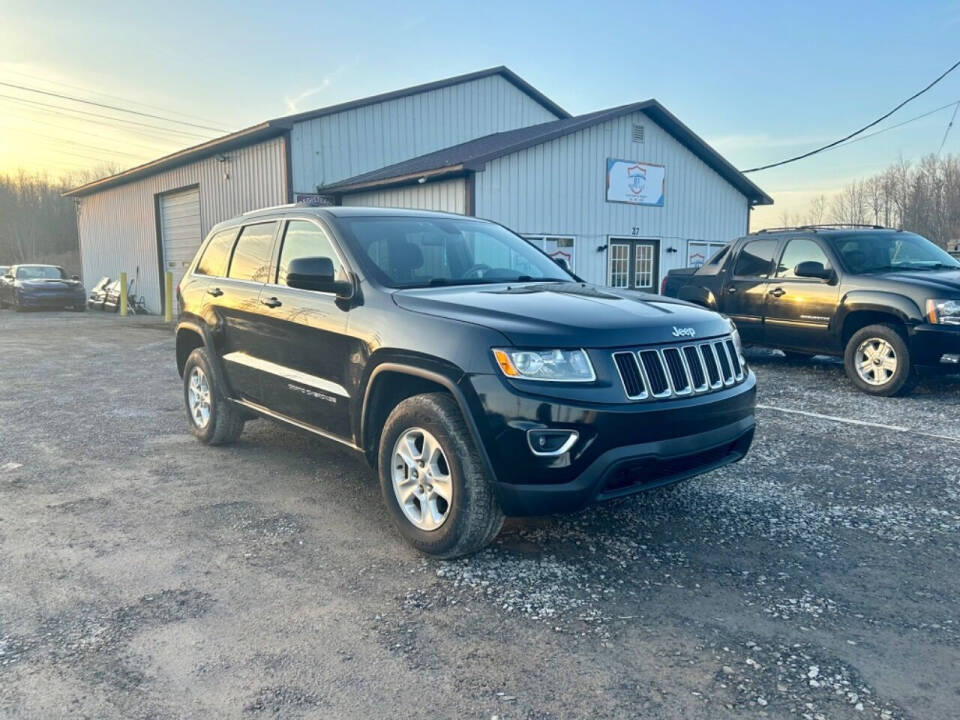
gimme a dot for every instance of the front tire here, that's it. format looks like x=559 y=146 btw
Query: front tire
x=433 y=480
x=213 y=419
x=877 y=360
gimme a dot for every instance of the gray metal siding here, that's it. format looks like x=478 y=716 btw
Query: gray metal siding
x=118 y=227
x=446 y=196
x=335 y=147
x=559 y=188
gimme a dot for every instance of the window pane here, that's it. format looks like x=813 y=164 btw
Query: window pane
x=643 y=275
x=756 y=258
x=217 y=254
x=304 y=239
x=619 y=265
x=251 y=257
x=798 y=251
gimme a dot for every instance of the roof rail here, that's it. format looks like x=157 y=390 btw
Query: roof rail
x=827 y=226
x=272 y=207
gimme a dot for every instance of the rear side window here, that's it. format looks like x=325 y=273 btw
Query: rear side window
x=304 y=239
x=251 y=256
x=215 y=257
x=756 y=258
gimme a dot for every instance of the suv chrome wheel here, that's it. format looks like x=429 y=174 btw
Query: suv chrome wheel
x=421 y=479
x=198 y=398
x=876 y=361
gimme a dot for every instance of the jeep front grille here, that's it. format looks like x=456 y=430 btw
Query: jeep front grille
x=679 y=370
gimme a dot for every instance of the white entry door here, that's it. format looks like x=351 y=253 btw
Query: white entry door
x=179 y=230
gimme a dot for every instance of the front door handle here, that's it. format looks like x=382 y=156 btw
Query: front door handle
x=778 y=292
x=271 y=302
x=216 y=292
x=732 y=289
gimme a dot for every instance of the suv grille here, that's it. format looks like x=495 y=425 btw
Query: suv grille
x=679 y=370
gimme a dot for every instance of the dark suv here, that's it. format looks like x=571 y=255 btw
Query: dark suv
x=478 y=377
x=887 y=301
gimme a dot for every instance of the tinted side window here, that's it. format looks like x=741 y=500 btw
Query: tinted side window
x=798 y=251
x=304 y=239
x=217 y=254
x=756 y=258
x=251 y=256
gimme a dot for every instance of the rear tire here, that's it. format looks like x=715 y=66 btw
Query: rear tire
x=214 y=420
x=877 y=360
x=469 y=518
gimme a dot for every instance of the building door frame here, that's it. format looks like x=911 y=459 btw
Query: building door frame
x=633 y=263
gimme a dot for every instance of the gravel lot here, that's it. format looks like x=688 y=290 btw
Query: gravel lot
x=144 y=575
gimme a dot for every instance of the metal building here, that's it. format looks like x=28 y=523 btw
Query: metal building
x=623 y=194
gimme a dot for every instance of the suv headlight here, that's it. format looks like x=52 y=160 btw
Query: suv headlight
x=556 y=365
x=943 y=312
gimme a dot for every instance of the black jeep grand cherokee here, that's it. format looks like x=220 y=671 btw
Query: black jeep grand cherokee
x=478 y=377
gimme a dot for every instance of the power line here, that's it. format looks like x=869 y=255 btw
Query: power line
x=856 y=132
x=107 y=95
x=60 y=109
x=900 y=124
x=949 y=125
x=111 y=107
x=152 y=148
x=77 y=144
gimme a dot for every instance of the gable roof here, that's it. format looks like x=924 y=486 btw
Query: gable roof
x=474 y=154
x=278 y=126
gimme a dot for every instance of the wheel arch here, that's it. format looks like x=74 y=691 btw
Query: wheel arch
x=698 y=295
x=862 y=308
x=394 y=380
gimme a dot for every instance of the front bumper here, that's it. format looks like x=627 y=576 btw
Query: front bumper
x=52 y=300
x=620 y=449
x=929 y=343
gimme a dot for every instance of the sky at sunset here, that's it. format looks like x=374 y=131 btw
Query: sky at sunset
x=760 y=81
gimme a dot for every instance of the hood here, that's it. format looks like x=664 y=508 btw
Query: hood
x=940 y=283
x=48 y=283
x=567 y=315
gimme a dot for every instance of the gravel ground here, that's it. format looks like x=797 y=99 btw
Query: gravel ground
x=144 y=575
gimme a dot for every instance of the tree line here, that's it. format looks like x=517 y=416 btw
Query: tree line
x=923 y=198
x=37 y=224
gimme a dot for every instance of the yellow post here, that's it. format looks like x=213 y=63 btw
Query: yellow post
x=168 y=297
x=123 y=294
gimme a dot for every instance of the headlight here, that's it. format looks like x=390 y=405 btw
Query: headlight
x=943 y=312
x=556 y=365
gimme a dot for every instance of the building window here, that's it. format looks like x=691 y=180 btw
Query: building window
x=557 y=247
x=619 y=261
x=644 y=266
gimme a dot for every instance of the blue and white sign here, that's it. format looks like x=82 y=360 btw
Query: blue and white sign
x=636 y=183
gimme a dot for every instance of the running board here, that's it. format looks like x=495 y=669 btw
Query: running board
x=261 y=410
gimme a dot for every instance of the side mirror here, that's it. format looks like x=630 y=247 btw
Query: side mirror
x=317 y=274
x=74 y=277
x=562 y=263
x=812 y=269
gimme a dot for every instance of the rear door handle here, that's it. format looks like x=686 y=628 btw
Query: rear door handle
x=216 y=292
x=271 y=302
x=778 y=292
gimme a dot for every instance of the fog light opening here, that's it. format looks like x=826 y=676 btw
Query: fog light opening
x=551 y=443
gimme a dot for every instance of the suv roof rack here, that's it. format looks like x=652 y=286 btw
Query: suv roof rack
x=272 y=207
x=827 y=226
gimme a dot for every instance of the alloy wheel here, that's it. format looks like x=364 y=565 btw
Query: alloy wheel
x=421 y=479
x=876 y=361
x=198 y=398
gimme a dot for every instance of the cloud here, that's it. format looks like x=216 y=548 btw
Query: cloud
x=293 y=104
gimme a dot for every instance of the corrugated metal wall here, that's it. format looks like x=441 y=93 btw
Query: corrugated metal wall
x=335 y=147
x=446 y=195
x=559 y=188
x=118 y=227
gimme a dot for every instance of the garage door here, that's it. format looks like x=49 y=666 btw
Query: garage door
x=179 y=230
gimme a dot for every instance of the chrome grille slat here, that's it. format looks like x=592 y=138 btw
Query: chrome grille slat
x=676 y=371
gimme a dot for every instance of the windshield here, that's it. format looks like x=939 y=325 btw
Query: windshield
x=406 y=252
x=39 y=272
x=880 y=252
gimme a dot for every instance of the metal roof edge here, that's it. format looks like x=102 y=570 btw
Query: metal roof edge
x=241 y=138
